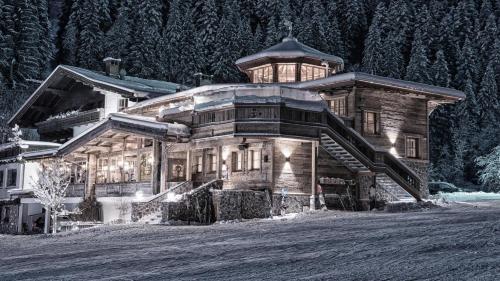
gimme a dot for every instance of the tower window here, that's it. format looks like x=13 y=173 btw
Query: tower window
x=286 y=73
x=263 y=74
x=311 y=72
x=122 y=104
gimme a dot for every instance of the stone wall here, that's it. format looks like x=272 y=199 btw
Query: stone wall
x=241 y=204
x=293 y=203
x=9 y=216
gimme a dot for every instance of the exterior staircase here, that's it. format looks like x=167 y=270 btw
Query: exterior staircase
x=347 y=146
x=389 y=189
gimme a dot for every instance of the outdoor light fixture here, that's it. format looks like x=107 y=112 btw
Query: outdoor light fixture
x=287 y=159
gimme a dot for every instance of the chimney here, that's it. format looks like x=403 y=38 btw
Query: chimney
x=202 y=79
x=112 y=66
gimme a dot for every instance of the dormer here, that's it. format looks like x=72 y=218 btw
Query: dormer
x=288 y=62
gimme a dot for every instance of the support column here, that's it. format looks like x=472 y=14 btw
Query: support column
x=188 y=165
x=137 y=171
x=364 y=181
x=155 y=176
x=164 y=167
x=314 y=165
x=91 y=175
x=219 y=162
x=20 y=218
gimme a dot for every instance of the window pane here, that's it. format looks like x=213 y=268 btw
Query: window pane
x=263 y=74
x=371 y=123
x=256 y=160
x=1 y=179
x=286 y=73
x=12 y=177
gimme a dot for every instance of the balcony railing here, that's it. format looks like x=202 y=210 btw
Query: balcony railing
x=123 y=189
x=79 y=118
x=75 y=190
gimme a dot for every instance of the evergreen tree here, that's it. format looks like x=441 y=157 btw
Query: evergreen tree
x=28 y=56
x=440 y=71
x=354 y=25
x=488 y=98
x=418 y=68
x=335 y=42
x=72 y=35
x=227 y=47
x=93 y=18
x=374 y=59
x=146 y=31
x=466 y=63
x=118 y=37
x=465 y=21
x=486 y=40
x=46 y=46
x=206 y=22
x=8 y=18
x=393 y=63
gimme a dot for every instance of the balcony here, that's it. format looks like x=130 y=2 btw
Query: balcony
x=75 y=190
x=123 y=189
x=72 y=120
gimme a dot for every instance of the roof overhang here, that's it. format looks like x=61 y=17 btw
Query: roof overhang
x=364 y=79
x=128 y=124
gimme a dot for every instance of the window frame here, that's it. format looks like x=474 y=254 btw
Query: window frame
x=11 y=178
x=254 y=159
x=122 y=106
x=414 y=153
x=237 y=161
x=376 y=123
x=338 y=105
x=198 y=164
x=293 y=68
x=309 y=72
x=2 y=174
x=212 y=163
x=259 y=74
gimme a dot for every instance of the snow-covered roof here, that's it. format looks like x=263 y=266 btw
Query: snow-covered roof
x=26 y=144
x=291 y=48
x=347 y=79
x=129 y=86
x=138 y=86
x=145 y=124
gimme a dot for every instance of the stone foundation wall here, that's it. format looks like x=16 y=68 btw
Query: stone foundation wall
x=241 y=204
x=421 y=168
x=9 y=216
x=294 y=203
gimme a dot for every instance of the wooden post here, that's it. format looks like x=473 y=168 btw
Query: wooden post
x=314 y=164
x=91 y=175
x=137 y=171
x=188 y=165
x=219 y=162
x=20 y=219
x=155 y=173
x=164 y=166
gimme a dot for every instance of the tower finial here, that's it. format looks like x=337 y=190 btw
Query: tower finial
x=289 y=24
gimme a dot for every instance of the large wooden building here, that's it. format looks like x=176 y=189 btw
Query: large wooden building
x=301 y=120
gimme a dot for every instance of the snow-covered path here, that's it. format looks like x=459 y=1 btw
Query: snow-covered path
x=460 y=243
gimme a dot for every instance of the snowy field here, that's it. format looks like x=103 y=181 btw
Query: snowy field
x=460 y=242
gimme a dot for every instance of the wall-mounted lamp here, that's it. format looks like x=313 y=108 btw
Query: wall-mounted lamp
x=223 y=162
x=287 y=159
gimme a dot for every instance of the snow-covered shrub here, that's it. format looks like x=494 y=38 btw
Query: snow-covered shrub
x=489 y=173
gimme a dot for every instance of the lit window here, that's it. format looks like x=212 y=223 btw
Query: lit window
x=198 y=165
x=122 y=104
x=412 y=149
x=254 y=160
x=263 y=74
x=371 y=123
x=12 y=177
x=213 y=162
x=338 y=106
x=286 y=73
x=237 y=161
x=311 y=72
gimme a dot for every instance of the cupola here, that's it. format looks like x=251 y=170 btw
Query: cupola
x=288 y=62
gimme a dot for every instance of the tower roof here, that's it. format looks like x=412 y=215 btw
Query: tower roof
x=289 y=48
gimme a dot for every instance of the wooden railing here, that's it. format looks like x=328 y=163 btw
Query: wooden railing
x=123 y=189
x=75 y=190
x=376 y=160
x=79 y=118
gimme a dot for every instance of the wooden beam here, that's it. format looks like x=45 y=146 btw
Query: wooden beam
x=57 y=92
x=116 y=140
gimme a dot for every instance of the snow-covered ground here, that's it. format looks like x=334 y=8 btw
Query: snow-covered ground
x=468 y=196
x=460 y=242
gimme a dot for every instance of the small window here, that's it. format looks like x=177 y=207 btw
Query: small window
x=1 y=179
x=371 y=123
x=122 y=104
x=254 y=160
x=12 y=177
x=213 y=162
x=310 y=72
x=338 y=106
x=6 y=216
x=412 y=147
x=237 y=161
x=198 y=165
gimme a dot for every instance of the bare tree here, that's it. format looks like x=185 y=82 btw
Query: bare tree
x=50 y=189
